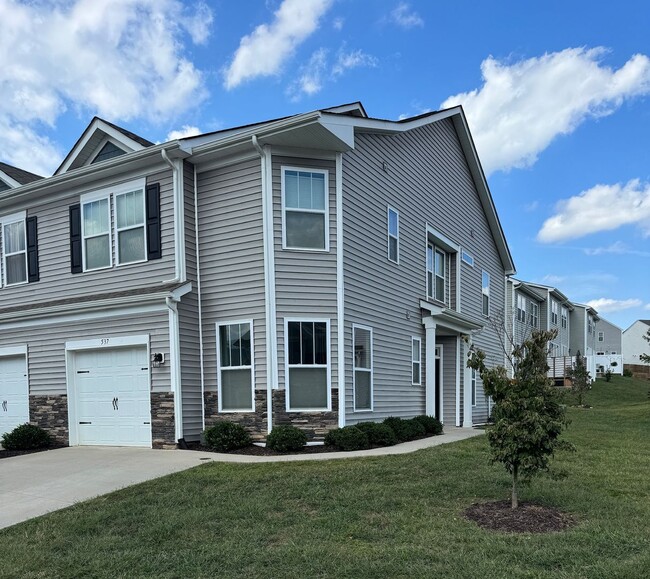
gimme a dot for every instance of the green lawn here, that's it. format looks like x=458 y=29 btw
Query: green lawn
x=375 y=517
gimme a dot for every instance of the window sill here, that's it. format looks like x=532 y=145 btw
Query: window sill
x=221 y=411
x=300 y=410
x=362 y=410
x=305 y=250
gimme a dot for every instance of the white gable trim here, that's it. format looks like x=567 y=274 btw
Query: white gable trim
x=8 y=180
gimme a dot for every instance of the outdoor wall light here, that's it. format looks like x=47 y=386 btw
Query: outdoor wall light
x=157 y=359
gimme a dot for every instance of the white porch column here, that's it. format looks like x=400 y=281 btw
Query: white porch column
x=430 y=359
x=467 y=390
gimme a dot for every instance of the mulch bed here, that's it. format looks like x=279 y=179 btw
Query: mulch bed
x=9 y=453
x=528 y=518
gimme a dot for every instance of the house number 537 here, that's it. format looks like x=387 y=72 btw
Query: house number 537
x=104 y=341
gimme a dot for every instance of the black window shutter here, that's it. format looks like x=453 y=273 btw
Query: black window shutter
x=76 y=263
x=32 y=249
x=154 y=247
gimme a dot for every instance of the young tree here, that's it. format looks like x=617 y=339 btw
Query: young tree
x=646 y=357
x=580 y=378
x=528 y=416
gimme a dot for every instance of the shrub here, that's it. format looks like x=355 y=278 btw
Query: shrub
x=431 y=424
x=26 y=437
x=378 y=434
x=286 y=438
x=627 y=372
x=225 y=436
x=347 y=438
x=405 y=430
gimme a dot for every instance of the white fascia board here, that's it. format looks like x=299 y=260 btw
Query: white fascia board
x=443 y=240
x=385 y=126
x=8 y=180
x=106 y=343
x=13 y=351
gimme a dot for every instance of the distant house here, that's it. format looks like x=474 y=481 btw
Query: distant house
x=11 y=177
x=583 y=330
x=555 y=315
x=318 y=270
x=633 y=343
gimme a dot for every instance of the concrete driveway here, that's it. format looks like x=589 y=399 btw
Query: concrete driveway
x=34 y=484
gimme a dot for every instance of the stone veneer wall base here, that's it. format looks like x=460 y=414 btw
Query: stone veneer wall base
x=50 y=412
x=163 y=428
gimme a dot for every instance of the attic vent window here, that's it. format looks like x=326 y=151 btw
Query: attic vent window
x=108 y=151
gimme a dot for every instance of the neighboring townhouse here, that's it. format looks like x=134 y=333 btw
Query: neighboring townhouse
x=555 y=314
x=634 y=344
x=584 y=319
x=319 y=270
x=524 y=307
x=609 y=338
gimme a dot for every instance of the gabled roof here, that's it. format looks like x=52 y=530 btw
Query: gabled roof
x=15 y=177
x=552 y=290
x=528 y=290
x=96 y=135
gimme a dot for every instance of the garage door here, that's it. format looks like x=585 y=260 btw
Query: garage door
x=112 y=397
x=14 y=398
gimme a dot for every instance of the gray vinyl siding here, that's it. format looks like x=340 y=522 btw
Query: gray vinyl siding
x=188 y=318
x=232 y=259
x=305 y=281
x=428 y=181
x=613 y=337
x=578 y=331
x=57 y=282
x=46 y=346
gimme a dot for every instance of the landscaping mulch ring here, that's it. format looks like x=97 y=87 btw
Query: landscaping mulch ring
x=528 y=518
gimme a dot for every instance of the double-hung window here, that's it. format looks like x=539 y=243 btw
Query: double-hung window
x=305 y=209
x=534 y=315
x=14 y=249
x=565 y=315
x=473 y=384
x=307 y=365
x=116 y=213
x=362 y=368
x=393 y=235
x=416 y=361
x=436 y=266
x=601 y=336
x=235 y=363
x=485 y=291
x=554 y=312
x=521 y=309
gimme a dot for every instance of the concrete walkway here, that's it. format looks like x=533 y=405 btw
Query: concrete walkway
x=35 y=484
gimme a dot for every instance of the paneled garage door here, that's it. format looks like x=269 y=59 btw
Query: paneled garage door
x=113 y=406
x=14 y=397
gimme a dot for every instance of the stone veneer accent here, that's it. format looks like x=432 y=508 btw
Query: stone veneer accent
x=163 y=429
x=315 y=424
x=50 y=412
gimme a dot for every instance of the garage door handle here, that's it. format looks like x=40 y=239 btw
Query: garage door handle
x=146 y=423
x=4 y=405
x=116 y=403
x=85 y=423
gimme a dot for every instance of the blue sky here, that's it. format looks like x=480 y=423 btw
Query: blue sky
x=557 y=95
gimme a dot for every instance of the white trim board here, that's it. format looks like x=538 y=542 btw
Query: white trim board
x=13 y=351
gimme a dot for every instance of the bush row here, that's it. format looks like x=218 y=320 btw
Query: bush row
x=26 y=437
x=227 y=436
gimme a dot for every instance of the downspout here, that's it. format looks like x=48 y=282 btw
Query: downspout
x=174 y=362
x=179 y=218
x=269 y=279
x=198 y=292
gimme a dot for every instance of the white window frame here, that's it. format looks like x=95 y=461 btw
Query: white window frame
x=325 y=212
x=564 y=317
x=287 y=366
x=431 y=293
x=554 y=312
x=390 y=209
x=220 y=367
x=521 y=309
x=467 y=258
x=10 y=220
x=534 y=315
x=355 y=369
x=110 y=193
x=485 y=291
x=601 y=336
x=417 y=339
x=473 y=387
x=117 y=230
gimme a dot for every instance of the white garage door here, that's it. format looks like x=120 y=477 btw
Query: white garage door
x=14 y=398
x=112 y=397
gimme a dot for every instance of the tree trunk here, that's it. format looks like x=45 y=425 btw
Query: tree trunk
x=515 y=499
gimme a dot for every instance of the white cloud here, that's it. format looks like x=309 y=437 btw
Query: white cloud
x=616 y=248
x=265 y=50
x=338 y=23
x=403 y=16
x=182 y=133
x=317 y=71
x=120 y=59
x=552 y=279
x=523 y=106
x=603 y=305
x=601 y=208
